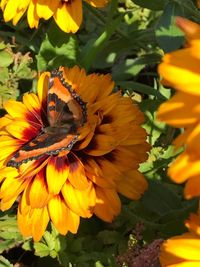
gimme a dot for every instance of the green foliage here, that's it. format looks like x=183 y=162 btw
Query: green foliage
x=4 y=262
x=14 y=67
x=57 y=49
x=127 y=39
x=9 y=232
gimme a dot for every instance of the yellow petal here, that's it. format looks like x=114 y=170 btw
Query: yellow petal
x=10 y=10
x=8 y=172
x=59 y=214
x=185 y=246
x=46 y=10
x=33 y=19
x=43 y=85
x=69 y=16
x=37 y=193
x=57 y=173
x=5 y=120
x=16 y=109
x=12 y=187
x=81 y=202
x=33 y=104
x=181 y=63
x=22 y=130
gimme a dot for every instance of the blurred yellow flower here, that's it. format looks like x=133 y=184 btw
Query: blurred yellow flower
x=181 y=70
x=183 y=250
x=66 y=13
x=86 y=168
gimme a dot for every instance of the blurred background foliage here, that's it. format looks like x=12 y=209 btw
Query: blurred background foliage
x=126 y=39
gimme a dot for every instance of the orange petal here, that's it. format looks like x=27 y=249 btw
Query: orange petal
x=97 y=3
x=184 y=167
x=37 y=193
x=59 y=213
x=33 y=223
x=192 y=187
x=132 y=184
x=81 y=202
x=108 y=204
x=77 y=175
x=57 y=173
x=181 y=110
x=40 y=219
x=101 y=144
x=190 y=28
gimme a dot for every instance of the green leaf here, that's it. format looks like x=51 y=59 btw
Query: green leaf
x=4 y=262
x=41 y=249
x=6 y=58
x=109 y=237
x=168 y=35
x=141 y=88
x=160 y=199
x=2 y=45
x=57 y=49
x=94 y=47
x=154 y=4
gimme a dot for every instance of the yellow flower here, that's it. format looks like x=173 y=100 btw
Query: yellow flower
x=183 y=250
x=181 y=70
x=66 y=13
x=83 y=179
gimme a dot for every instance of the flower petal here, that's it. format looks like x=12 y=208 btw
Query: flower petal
x=97 y=3
x=38 y=194
x=68 y=16
x=57 y=173
x=132 y=184
x=81 y=202
x=77 y=175
x=46 y=10
x=108 y=204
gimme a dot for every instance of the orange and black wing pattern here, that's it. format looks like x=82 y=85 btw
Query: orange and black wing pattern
x=66 y=112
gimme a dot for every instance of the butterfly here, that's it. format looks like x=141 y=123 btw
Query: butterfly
x=66 y=112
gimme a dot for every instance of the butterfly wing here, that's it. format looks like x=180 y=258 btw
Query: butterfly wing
x=43 y=144
x=66 y=112
x=62 y=109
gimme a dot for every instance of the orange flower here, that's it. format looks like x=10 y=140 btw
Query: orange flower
x=181 y=70
x=83 y=179
x=67 y=14
x=183 y=250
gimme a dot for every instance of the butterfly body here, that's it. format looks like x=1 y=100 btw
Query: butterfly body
x=66 y=112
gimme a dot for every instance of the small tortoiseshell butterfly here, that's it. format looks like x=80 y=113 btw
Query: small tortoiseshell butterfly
x=66 y=112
